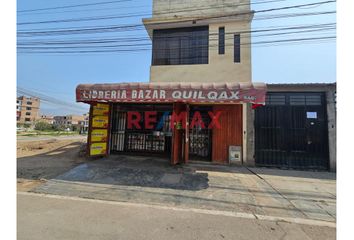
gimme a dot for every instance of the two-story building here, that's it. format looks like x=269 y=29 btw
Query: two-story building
x=200 y=93
x=69 y=121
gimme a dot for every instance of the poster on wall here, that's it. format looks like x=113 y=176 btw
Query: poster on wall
x=100 y=122
x=99 y=129
x=99 y=135
x=98 y=149
x=100 y=109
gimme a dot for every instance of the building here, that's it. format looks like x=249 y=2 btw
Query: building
x=69 y=121
x=84 y=125
x=27 y=109
x=201 y=103
x=195 y=106
x=200 y=41
x=48 y=119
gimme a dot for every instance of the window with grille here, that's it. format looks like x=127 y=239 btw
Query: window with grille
x=180 y=46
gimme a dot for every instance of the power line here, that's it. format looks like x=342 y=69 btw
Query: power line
x=312 y=26
x=197 y=19
x=28 y=31
x=73 y=6
x=149 y=49
x=48 y=99
x=176 y=10
x=135 y=37
x=93 y=30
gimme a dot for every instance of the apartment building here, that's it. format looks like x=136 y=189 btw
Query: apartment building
x=27 y=109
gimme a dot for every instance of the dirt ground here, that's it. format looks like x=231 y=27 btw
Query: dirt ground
x=41 y=160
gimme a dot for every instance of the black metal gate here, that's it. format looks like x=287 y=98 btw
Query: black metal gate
x=200 y=138
x=291 y=131
x=157 y=140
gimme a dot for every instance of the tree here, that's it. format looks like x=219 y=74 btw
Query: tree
x=43 y=126
x=58 y=127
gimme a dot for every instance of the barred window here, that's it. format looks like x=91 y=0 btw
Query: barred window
x=180 y=46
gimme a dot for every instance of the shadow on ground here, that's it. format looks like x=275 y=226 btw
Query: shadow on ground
x=137 y=171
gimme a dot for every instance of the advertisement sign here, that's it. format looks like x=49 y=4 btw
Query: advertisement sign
x=99 y=135
x=98 y=149
x=100 y=122
x=149 y=93
x=100 y=109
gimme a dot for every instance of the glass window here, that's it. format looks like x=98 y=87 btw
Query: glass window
x=29 y=103
x=28 y=113
x=222 y=40
x=180 y=46
x=28 y=108
x=313 y=100
x=275 y=99
x=237 y=48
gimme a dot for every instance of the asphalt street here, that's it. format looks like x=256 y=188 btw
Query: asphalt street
x=59 y=217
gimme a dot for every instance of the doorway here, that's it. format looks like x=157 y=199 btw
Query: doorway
x=291 y=131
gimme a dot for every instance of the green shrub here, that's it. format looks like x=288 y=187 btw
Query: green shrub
x=43 y=126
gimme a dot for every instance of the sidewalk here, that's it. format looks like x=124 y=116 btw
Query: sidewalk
x=263 y=192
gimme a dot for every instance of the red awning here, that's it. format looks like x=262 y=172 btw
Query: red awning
x=172 y=92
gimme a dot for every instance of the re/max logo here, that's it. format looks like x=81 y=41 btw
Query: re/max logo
x=178 y=120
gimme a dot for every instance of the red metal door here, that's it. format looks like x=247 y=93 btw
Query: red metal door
x=179 y=140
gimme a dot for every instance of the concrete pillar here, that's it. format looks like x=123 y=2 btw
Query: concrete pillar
x=250 y=114
x=332 y=127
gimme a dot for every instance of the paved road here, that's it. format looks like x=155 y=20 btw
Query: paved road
x=44 y=138
x=54 y=217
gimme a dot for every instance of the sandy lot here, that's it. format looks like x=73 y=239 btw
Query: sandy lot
x=41 y=160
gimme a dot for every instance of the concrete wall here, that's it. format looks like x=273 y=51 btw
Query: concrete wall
x=171 y=8
x=221 y=68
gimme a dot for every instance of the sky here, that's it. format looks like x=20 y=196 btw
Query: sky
x=58 y=75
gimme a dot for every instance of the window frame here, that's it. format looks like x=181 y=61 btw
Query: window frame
x=237 y=48
x=190 y=46
x=221 y=40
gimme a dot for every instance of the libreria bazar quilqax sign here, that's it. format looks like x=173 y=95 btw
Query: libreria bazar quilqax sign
x=112 y=93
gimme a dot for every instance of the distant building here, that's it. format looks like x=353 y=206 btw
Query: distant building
x=69 y=120
x=27 y=109
x=48 y=119
x=84 y=125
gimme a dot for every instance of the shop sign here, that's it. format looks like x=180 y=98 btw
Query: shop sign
x=170 y=95
x=99 y=135
x=100 y=109
x=100 y=122
x=98 y=149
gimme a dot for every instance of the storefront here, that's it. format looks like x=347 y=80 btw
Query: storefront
x=180 y=121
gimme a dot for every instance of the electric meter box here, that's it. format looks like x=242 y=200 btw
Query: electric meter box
x=235 y=155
